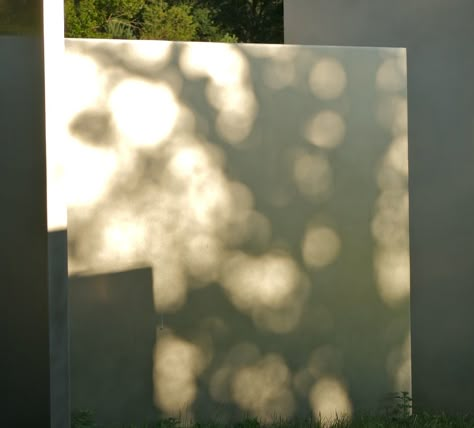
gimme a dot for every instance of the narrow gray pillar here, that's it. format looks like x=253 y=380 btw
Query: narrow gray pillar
x=33 y=268
x=25 y=369
x=438 y=36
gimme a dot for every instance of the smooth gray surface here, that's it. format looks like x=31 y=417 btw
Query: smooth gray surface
x=113 y=327
x=24 y=379
x=438 y=36
x=59 y=329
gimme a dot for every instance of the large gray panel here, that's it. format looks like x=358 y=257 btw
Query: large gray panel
x=438 y=36
x=266 y=188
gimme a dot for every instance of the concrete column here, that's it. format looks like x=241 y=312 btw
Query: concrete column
x=438 y=36
x=33 y=272
x=25 y=373
x=57 y=214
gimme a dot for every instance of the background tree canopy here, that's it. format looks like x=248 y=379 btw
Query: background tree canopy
x=249 y=21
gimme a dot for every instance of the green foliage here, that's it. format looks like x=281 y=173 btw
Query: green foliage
x=82 y=419
x=144 y=19
x=122 y=9
x=164 y=22
x=119 y=29
x=252 y=21
x=82 y=19
x=399 y=407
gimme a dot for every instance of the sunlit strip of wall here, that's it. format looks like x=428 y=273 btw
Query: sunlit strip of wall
x=55 y=133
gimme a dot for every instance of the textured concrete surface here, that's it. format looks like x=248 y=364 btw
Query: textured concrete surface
x=438 y=36
x=256 y=198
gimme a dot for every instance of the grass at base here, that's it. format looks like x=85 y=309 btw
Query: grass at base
x=84 y=419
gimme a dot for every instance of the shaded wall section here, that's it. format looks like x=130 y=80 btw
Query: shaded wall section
x=438 y=37
x=24 y=247
x=113 y=332
x=266 y=188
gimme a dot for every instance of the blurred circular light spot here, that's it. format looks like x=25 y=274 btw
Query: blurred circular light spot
x=326 y=130
x=263 y=388
x=260 y=281
x=391 y=75
x=177 y=363
x=321 y=245
x=392 y=268
x=312 y=174
x=328 y=79
x=144 y=113
x=329 y=398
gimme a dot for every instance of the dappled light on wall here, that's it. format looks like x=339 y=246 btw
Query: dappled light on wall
x=320 y=246
x=392 y=74
x=268 y=207
x=228 y=90
x=177 y=363
x=313 y=175
x=150 y=124
x=330 y=400
x=150 y=53
x=328 y=79
x=398 y=365
x=326 y=129
x=270 y=288
x=102 y=164
x=390 y=221
x=263 y=388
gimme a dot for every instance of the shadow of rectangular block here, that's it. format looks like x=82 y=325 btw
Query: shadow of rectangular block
x=112 y=337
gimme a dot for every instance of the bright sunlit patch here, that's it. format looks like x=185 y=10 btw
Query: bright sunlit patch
x=321 y=246
x=89 y=172
x=144 y=113
x=237 y=109
x=228 y=88
x=158 y=52
x=87 y=90
x=267 y=281
x=202 y=256
x=312 y=175
x=392 y=268
x=124 y=239
x=263 y=389
x=209 y=201
x=223 y=63
x=177 y=363
x=54 y=109
x=326 y=130
x=328 y=79
x=329 y=398
x=190 y=162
